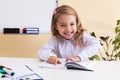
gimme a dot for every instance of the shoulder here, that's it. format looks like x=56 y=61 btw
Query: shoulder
x=52 y=39
x=88 y=37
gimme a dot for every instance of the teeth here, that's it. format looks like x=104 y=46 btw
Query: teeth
x=68 y=33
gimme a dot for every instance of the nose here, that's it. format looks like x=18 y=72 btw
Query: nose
x=68 y=28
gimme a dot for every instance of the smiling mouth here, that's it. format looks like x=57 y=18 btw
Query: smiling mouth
x=69 y=33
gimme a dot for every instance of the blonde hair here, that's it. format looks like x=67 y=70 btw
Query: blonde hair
x=65 y=9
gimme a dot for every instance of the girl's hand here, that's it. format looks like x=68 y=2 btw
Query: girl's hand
x=73 y=58
x=53 y=60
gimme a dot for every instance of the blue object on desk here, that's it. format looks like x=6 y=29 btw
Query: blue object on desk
x=6 y=70
x=2 y=71
x=10 y=72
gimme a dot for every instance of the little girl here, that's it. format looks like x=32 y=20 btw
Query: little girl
x=69 y=40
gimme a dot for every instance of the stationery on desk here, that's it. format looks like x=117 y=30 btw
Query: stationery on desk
x=6 y=71
x=83 y=65
x=20 y=73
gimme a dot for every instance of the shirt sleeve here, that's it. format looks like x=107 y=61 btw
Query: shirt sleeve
x=47 y=49
x=91 y=46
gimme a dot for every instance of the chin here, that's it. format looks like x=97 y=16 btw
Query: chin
x=68 y=38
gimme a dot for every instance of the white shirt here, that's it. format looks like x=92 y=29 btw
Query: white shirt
x=67 y=48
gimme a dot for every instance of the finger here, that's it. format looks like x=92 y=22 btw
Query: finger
x=75 y=58
x=59 y=62
x=68 y=59
x=52 y=59
x=72 y=59
x=55 y=62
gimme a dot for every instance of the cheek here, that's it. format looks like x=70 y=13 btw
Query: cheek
x=75 y=28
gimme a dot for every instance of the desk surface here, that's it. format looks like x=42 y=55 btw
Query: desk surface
x=104 y=70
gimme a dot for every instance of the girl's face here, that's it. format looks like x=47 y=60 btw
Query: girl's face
x=66 y=26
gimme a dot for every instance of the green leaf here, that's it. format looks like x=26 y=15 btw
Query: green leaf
x=118 y=22
x=93 y=34
x=117 y=55
x=96 y=57
x=107 y=53
x=104 y=58
x=104 y=38
x=117 y=29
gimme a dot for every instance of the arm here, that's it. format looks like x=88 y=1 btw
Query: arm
x=47 y=50
x=92 y=46
x=73 y=58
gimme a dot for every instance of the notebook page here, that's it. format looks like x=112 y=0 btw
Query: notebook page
x=86 y=63
x=50 y=66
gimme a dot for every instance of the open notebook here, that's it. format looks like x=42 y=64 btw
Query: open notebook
x=83 y=65
x=23 y=73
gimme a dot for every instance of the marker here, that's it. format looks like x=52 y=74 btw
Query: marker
x=5 y=67
x=7 y=70
x=2 y=75
x=10 y=72
x=2 y=71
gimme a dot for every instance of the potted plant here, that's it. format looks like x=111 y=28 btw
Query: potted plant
x=111 y=46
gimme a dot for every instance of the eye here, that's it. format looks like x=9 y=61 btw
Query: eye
x=72 y=24
x=62 y=25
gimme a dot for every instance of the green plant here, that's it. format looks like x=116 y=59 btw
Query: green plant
x=116 y=42
x=111 y=46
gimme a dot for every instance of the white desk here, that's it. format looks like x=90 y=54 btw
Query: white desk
x=104 y=70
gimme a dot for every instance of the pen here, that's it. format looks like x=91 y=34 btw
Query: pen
x=5 y=67
x=7 y=70
x=10 y=72
x=2 y=75
x=2 y=71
